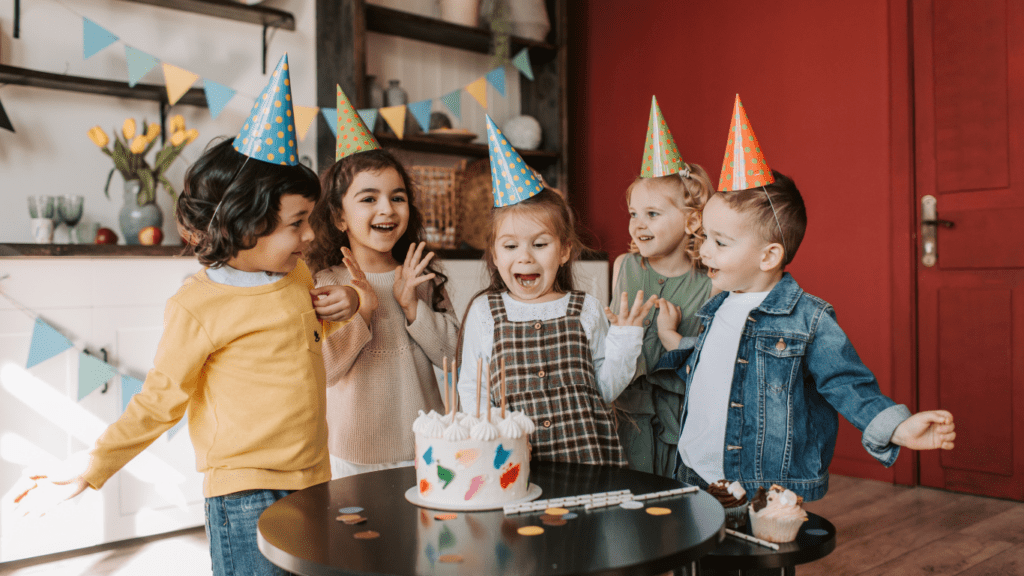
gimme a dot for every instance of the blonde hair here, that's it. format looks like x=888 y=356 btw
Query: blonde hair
x=688 y=193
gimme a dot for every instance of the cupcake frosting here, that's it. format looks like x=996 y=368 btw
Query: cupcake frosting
x=728 y=494
x=777 y=502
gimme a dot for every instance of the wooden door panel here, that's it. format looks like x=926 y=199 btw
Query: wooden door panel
x=981 y=239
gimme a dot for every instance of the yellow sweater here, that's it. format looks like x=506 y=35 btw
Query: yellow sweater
x=247 y=365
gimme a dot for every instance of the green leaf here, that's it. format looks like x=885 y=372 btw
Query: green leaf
x=170 y=190
x=106 y=188
x=147 y=193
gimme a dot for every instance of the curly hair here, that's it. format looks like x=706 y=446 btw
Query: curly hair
x=336 y=180
x=688 y=193
x=230 y=201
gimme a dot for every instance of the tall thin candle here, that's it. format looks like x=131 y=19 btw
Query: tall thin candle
x=479 y=375
x=444 y=370
x=503 y=388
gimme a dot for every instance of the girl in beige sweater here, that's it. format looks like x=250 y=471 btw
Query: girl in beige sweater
x=380 y=365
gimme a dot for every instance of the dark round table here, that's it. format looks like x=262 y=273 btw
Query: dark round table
x=300 y=532
x=815 y=540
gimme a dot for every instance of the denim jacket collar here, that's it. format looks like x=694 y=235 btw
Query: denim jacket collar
x=781 y=299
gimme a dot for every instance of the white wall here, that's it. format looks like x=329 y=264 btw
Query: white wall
x=50 y=153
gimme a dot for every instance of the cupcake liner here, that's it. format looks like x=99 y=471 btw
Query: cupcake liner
x=736 y=517
x=776 y=530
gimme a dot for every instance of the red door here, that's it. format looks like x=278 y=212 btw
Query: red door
x=968 y=65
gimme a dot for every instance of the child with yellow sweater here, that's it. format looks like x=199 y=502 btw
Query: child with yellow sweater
x=240 y=349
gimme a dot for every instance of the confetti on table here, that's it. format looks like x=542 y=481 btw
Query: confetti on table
x=530 y=531
x=357 y=520
x=658 y=511
x=556 y=511
x=350 y=510
x=632 y=505
x=555 y=521
x=368 y=535
x=347 y=517
x=451 y=558
x=570 y=516
x=447 y=516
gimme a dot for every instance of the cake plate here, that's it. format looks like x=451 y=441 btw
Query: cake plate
x=412 y=495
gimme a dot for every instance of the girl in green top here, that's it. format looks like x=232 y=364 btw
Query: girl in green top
x=665 y=229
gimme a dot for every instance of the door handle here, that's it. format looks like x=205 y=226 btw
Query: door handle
x=929 y=230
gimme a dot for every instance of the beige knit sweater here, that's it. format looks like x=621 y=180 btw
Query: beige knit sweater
x=380 y=376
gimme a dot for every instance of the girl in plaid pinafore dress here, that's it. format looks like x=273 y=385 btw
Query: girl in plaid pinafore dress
x=565 y=359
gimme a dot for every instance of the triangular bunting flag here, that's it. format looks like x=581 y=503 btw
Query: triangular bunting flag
x=268 y=134
x=522 y=63
x=129 y=387
x=177 y=428
x=139 y=64
x=497 y=79
x=217 y=96
x=331 y=116
x=5 y=122
x=92 y=373
x=478 y=89
x=369 y=116
x=303 y=118
x=453 y=100
x=178 y=81
x=512 y=180
x=661 y=156
x=352 y=136
x=395 y=117
x=421 y=112
x=95 y=38
x=46 y=343
x=744 y=166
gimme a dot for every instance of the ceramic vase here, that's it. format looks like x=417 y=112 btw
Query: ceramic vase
x=133 y=217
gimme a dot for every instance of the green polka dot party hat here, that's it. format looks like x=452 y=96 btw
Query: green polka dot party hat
x=511 y=179
x=353 y=135
x=744 y=166
x=269 y=132
x=661 y=156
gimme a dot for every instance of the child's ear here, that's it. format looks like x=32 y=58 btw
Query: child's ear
x=340 y=223
x=566 y=251
x=772 y=256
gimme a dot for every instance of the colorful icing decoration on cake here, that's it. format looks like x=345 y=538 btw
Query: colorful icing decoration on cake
x=467 y=457
x=509 y=476
x=501 y=456
x=428 y=456
x=474 y=485
x=445 y=475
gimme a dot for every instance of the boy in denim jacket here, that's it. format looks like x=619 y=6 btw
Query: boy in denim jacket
x=771 y=369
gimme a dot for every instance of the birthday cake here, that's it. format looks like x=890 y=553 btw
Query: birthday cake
x=464 y=461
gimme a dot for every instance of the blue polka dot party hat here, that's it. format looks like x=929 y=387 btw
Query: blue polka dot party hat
x=512 y=180
x=269 y=131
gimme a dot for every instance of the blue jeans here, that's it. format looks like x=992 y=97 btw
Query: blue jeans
x=231 y=530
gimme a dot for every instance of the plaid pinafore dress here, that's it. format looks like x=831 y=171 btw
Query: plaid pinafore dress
x=550 y=377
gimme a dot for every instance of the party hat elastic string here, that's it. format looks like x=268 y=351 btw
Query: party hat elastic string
x=782 y=235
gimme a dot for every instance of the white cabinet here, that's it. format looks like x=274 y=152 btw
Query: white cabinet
x=112 y=303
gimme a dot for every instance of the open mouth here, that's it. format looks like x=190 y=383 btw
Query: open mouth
x=527 y=280
x=644 y=238
x=712 y=272
x=389 y=227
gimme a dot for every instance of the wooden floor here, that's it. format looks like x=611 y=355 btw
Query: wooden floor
x=882 y=529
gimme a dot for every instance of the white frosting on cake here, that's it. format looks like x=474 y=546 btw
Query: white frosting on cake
x=462 y=460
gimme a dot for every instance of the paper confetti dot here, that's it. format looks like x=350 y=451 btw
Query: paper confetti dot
x=357 y=520
x=555 y=521
x=547 y=517
x=657 y=511
x=350 y=510
x=556 y=511
x=530 y=531
x=347 y=517
x=450 y=558
x=445 y=516
x=816 y=532
x=368 y=535
x=632 y=505
x=570 y=516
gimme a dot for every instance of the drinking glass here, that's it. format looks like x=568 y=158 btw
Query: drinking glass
x=69 y=207
x=40 y=206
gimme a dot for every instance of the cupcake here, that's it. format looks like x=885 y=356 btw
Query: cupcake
x=775 y=514
x=733 y=498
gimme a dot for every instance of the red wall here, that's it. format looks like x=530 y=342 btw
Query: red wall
x=814 y=79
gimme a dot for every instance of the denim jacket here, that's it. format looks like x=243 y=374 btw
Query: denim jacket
x=795 y=369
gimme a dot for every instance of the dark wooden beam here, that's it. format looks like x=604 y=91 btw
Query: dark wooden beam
x=340 y=61
x=231 y=10
x=38 y=79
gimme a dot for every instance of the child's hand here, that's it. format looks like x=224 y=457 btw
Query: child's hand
x=631 y=316
x=409 y=276
x=335 y=303
x=39 y=492
x=926 y=431
x=669 y=316
x=369 y=303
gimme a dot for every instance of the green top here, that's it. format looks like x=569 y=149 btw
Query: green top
x=648 y=410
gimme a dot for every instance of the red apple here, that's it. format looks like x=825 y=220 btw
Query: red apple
x=151 y=236
x=105 y=236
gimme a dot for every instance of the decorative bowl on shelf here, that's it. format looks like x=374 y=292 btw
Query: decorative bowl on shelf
x=453 y=134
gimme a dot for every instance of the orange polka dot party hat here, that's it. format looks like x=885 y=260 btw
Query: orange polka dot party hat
x=744 y=166
x=269 y=132
x=511 y=179
x=353 y=135
x=661 y=156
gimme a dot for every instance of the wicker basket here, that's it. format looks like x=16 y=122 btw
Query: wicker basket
x=436 y=197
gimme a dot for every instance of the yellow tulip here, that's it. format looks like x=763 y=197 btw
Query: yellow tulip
x=178 y=137
x=128 y=129
x=152 y=131
x=192 y=135
x=177 y=123
x=138 y=145
x=98 y=136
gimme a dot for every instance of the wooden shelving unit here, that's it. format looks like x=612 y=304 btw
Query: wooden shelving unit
x=230 y=10
x=82 y=84
x=423 y=143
